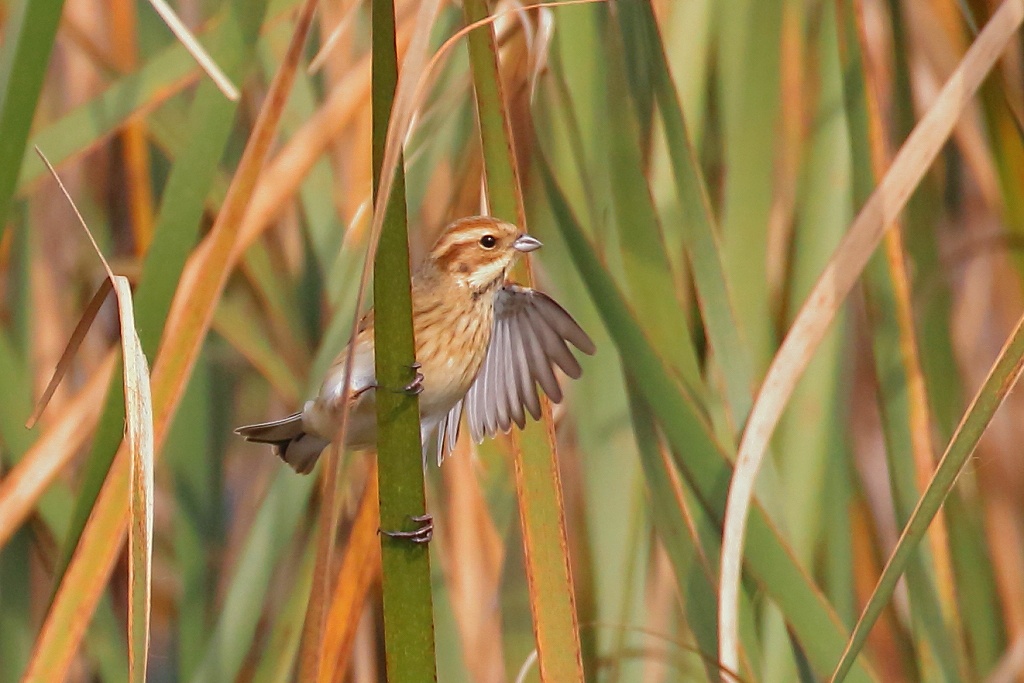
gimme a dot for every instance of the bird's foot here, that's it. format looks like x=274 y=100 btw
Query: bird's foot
x=421 y=535
x=415 y=387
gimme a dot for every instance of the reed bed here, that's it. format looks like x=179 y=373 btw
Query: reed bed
x=791 y=228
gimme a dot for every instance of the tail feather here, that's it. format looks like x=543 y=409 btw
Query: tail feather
x=289 y=441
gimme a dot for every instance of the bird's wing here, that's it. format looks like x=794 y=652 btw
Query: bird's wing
x=527 y=341
x=447 y=434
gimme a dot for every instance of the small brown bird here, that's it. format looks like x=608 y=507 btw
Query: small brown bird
x=481 y=342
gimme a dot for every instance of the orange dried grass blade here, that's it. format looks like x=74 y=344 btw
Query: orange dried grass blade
x=288 y=169
x=537 y=477
x=101 y=539
x=139 y=433
x=919 y=411
x=23 y=485
x=137 y=163
x=472 y=556
x=83 y=584
x=84 y=323
x=134 y=152
x=359 y=568
x=846 y=265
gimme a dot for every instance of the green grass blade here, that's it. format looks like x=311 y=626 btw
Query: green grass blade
x=28 y=40
x=695 y=580
x=211 y=119
x=705 y=466
x=990 y=396
x=198 y=529
x=165 y=74
x=813 y=420
x=748 y=99
x=649 y=275
x=895 y=372
x=15 y=606
x=539 y=489
x=272 y=531
x=824 y=207
x=408 y=607
x=699 y=227
x=283 y=646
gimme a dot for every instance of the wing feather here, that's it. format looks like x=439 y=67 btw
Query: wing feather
x=517 y=392
x=488 y=402
x=540 y=365
x=448 y=432
x=529 y=338
x=454 y=418
x=562 y=323
x=477 y=402
x=493 y=385
x=523 y=393
x=441 y=429
x=502 y=398
x=554 y=346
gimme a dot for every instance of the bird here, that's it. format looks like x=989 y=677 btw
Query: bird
x=482 y=344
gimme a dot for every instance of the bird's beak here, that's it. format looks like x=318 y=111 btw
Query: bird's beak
x=525 y=243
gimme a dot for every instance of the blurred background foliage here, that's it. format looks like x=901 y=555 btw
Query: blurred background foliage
x=690 y=166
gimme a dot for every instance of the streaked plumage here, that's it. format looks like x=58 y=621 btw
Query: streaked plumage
x=482 y=344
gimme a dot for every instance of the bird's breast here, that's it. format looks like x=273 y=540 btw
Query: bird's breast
x=451 y=342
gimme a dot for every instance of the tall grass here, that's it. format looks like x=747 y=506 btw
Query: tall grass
x=693 y=169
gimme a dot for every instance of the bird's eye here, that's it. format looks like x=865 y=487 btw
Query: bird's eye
x=488 y=241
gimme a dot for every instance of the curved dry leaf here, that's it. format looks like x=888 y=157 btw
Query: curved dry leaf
x=882 y=207
x=100 y=544
x=139 y=442
x=84 y=323
x=138 y=401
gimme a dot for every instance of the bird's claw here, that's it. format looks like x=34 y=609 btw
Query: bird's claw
x=415 y=387
x=421 y=535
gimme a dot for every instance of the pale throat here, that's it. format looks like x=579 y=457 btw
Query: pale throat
x=485 y=276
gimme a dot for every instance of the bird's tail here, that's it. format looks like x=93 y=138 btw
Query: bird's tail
x=289 y=440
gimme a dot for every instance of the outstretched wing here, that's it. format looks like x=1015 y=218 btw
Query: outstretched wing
x=528 y=340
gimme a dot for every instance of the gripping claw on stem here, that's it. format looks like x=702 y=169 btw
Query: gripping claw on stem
x=414 y=387
x=421 y=535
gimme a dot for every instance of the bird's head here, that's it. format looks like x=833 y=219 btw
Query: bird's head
x=478 y=251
